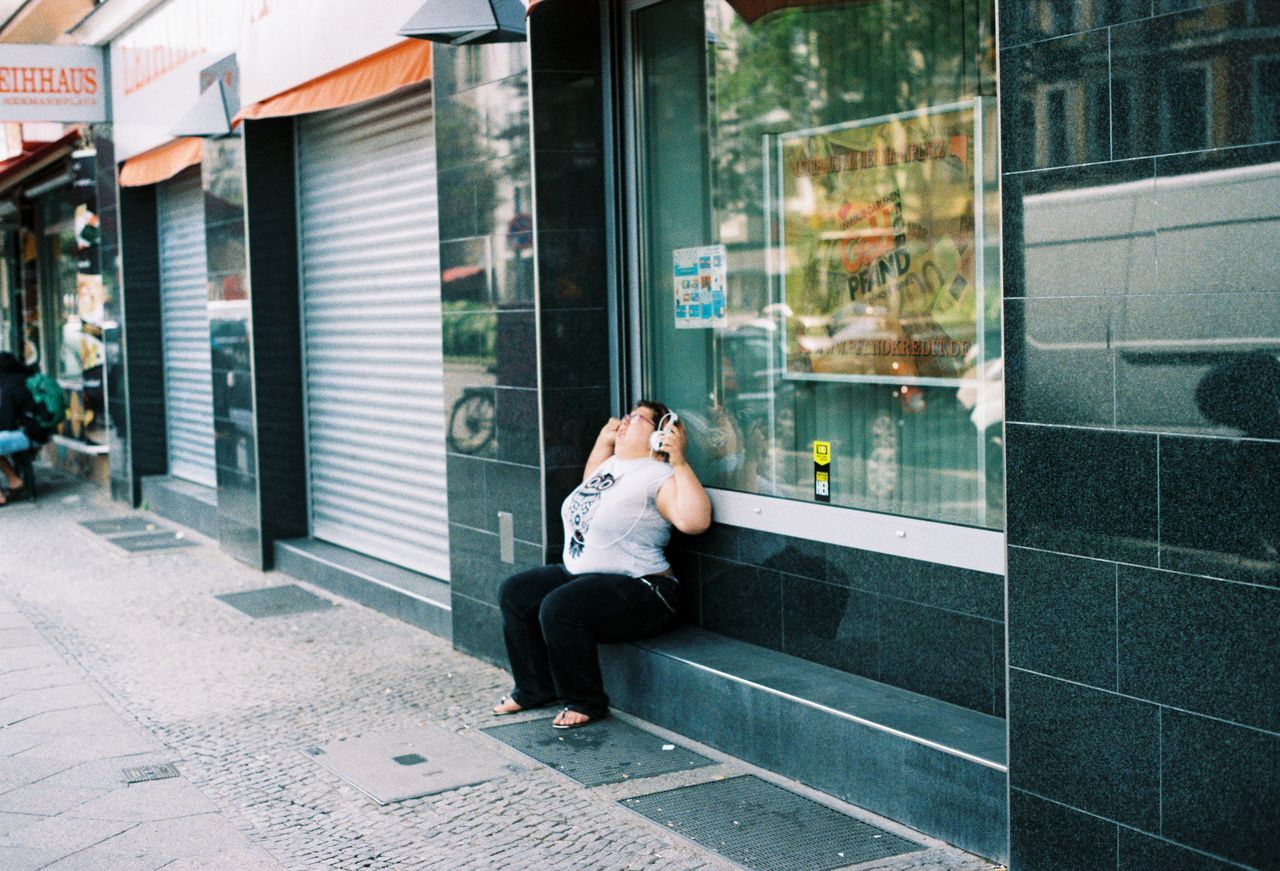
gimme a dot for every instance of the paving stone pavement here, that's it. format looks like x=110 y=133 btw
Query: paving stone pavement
x=109 y=661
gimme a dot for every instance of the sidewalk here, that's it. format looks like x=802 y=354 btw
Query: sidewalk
x=109 y=662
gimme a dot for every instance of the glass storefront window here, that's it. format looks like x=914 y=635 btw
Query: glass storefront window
x=818 y=247
x=60 y=255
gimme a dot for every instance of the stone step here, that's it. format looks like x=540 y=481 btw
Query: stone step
x=397 y=592
x=931 y=765
x=192 y=505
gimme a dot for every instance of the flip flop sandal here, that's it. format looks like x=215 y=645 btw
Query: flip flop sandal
x=588 y=721
x=504 y=700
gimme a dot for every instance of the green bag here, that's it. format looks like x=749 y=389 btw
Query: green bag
x=51 y=402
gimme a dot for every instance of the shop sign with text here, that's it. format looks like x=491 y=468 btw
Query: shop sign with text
x=63 y=83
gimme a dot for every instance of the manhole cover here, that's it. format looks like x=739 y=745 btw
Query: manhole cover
x=117 y=525
x=410 y=764
x=610 y=751
x=150 y=542
x=763 y=826
x=276 y=601
x=142 y=773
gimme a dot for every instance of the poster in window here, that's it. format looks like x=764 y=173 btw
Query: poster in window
x=698 y=276
x=882 y=271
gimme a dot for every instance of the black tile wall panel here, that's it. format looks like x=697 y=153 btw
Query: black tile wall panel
x=1048 y=836
x=743 y=602
x=1172 y=241
x=569 y=114
x=1199 y=363
x=515 y=489
x=477 y=630
x=831 y=625
x=852 y=610
x=143 y=345
x=478 y=570
x=1166 y=59
x=939 y=654
x=1030 y=20
x=1082 y=230
x=570 y=190
x=794 y=556
x=1085 y=492
x=575 y=349
x=572 y=419
x=573 y=268
x=1089 y=749
x=1215 y=212
x=1222 y=636
x=1062 y=616
x=271 y=232
x=466 y=489
x=1139 y=852
x=517 y=348
x=565 y=39
x=1221 y=788
x=1062 y=368
x=516 y=415
x=1214 y=518
x=1026 y=72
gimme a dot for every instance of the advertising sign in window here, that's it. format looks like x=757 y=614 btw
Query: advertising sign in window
x=882 y=247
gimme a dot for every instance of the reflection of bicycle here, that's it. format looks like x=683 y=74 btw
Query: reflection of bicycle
x=472 y=423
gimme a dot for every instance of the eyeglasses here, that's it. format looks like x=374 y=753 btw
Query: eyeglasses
x=636 y=415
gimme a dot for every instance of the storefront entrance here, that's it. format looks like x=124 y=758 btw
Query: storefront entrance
x=372 y=336
x=184 y=298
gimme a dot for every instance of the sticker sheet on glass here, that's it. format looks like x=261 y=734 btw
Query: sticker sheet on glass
x=699 y=283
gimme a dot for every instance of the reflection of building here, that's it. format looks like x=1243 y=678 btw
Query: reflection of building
x=485 y=245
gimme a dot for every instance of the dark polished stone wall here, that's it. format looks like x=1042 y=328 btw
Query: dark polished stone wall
x=1141 y=182
x=540 y=364
x=490 y=328
x=139 y=427
x=925 y=627
x=262 y=487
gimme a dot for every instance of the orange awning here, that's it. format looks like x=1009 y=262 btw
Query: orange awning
x=161 y=163
x=405 y=63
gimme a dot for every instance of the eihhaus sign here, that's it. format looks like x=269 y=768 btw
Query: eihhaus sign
x=52 y=83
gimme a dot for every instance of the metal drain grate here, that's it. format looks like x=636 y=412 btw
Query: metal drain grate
x=765 y=827
x=610 y=751
x=150 y=542
x=276 y=601
x=117 y=525
x=143 y=773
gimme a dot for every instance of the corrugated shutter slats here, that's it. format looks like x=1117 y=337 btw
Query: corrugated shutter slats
x=184 y=305
x=374 y=351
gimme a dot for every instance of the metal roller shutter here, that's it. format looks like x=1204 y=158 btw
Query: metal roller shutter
x=371 y=313
x=184 y=312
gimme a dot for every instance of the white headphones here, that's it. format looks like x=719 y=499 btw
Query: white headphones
x=655 y=438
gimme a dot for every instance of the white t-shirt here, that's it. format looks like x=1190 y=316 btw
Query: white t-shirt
x=611 y=522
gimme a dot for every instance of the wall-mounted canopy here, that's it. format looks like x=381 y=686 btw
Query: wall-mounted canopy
x=377 y=75
x=468 y=22
x=161 y=163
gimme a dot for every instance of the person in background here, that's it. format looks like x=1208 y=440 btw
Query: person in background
x=615 y=583
x=18 y=428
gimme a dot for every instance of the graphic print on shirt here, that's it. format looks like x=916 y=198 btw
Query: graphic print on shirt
x=586 y=499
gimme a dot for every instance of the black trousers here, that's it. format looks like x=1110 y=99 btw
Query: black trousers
x=552 y=622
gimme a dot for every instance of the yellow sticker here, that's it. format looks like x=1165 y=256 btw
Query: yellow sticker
x=822 y=452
